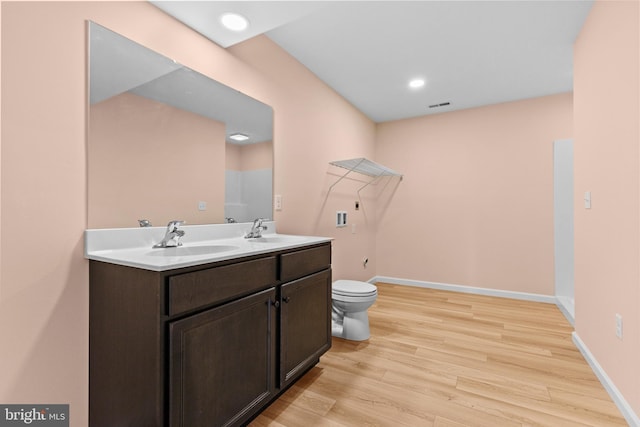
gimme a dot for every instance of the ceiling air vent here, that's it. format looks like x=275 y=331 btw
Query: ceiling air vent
x=444 y=104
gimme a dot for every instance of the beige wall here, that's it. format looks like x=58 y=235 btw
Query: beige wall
x=249 y=156
x=475 y=206
x=43 y=282
x=313 y=126
x=607 y=163
x=156 y=163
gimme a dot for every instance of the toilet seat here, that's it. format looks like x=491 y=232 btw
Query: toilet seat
x=353 y=288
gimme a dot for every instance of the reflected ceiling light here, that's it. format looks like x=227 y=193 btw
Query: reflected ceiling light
x=234 y=21
x=240 y=137
x=416 y=83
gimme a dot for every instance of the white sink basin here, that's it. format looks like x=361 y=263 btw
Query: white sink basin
x=192 y=250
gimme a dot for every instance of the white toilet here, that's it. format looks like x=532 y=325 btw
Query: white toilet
x=350 y=301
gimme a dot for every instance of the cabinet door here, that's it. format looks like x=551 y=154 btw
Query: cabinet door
x=222 y=366
x=305 y=324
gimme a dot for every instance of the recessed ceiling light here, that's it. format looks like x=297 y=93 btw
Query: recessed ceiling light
x=416 y=83
x=234 y=21
x=240 y=137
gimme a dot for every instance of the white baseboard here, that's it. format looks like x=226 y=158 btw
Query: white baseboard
x=616 y=396
x=566 y=311
x=466 y=289
x=566 y=306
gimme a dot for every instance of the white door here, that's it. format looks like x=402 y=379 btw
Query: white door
x=563 y=225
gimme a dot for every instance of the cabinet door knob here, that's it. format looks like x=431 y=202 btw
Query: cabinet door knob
x=276 y=303
x=286 y=299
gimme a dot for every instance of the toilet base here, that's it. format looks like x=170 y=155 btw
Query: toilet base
x=354 y=327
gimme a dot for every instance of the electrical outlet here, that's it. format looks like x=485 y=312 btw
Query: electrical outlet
x=341 y=219
x=619 y=325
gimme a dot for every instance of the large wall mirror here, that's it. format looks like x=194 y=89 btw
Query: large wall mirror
x=162 y=141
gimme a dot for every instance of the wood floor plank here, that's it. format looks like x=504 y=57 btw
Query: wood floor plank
x=443 y=422
x=306 y=398
x=446 y=359
x=401 y=406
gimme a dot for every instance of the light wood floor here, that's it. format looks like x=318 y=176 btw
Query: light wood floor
x=439 y=358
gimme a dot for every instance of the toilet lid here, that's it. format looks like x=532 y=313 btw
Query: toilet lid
x=353 y=288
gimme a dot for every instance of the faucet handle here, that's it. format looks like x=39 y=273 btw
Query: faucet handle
x=258 y=222
x=173 y=225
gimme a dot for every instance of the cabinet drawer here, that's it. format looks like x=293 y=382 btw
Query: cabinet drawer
x=301 y=263
x=192 y=290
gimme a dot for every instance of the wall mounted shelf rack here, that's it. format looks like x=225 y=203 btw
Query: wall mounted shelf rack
x=365 y=167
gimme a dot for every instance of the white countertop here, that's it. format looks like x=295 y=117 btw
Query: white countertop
x=202 y=244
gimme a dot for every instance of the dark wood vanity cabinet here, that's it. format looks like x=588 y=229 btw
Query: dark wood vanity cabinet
x=210 y=345
x=305 y=324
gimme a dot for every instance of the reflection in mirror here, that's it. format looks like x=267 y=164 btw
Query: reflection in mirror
x=160 y=146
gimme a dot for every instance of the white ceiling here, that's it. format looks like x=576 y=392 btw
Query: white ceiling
x=471 y=53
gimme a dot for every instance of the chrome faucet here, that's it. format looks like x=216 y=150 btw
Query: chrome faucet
x=172 y=236
x=256 y=229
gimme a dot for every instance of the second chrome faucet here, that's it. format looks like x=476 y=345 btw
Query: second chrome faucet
x=256 y=229
x=172 y=236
